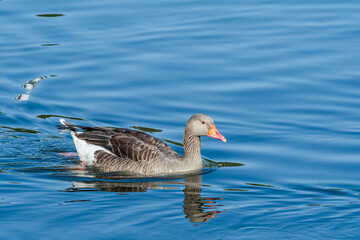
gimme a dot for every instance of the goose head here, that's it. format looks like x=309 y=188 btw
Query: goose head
x=202 y=125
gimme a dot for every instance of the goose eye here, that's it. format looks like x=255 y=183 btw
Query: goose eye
x=203 y=122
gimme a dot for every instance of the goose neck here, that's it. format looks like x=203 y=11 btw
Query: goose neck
x=192 y=146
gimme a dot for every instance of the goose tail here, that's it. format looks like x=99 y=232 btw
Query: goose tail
x=84 y=150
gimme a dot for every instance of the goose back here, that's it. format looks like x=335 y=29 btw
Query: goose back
x=124 y=149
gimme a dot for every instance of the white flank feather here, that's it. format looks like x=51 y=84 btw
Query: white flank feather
x=85 y=150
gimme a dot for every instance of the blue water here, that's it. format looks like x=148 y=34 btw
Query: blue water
x=279 y=78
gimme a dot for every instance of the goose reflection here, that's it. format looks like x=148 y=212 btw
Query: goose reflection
x=196 y=208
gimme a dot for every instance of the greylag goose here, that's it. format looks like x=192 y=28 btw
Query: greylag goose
x=136 y=152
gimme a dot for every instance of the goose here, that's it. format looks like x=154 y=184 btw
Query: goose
x=136 y=152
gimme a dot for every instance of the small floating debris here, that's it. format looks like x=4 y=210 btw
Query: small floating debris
x=29 y=85
x=22 y=97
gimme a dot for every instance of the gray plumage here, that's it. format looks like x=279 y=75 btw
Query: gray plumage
x=136 y=152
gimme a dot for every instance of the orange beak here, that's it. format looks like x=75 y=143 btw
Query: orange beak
x=214 y=133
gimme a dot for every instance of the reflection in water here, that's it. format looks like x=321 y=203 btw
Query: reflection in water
x=209 y=164
x=49 y=44
x=46 y=116
x=260 y=185
x=50 y=15
x=20 y=130
x=147 y=129
x=196 y=208
x=29 y=85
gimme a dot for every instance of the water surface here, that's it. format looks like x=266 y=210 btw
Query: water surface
x=280 y=79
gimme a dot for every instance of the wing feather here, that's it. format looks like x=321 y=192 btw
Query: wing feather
x=134 y=149
x=124 y=143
